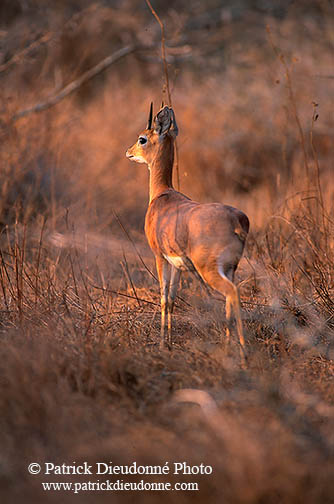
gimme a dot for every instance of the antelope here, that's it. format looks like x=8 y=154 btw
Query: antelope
x=205 y=238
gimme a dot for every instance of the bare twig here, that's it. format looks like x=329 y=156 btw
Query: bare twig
x=126 y=270
x=317 y=166
x=133 y=244
x=71 y=261
x=74 y=85
x=163 y=50
x=281 y=58
x=2 y=280
x=39 y=258
x=44 y=39
x=22 y=54
x=111 y=291
x=163 y=57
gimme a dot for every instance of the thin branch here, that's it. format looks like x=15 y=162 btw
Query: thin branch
x=317 y=166
x=44 y=39
x=74 y=85
x=281 y=58
x=118 y=293
x=163 y=50
x=126 y=270
x=163 y=56
x=22 y=54
x=133 y=244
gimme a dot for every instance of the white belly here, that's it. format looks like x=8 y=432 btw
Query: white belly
x=176 y=261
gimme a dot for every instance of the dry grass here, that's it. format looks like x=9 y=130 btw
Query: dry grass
x=82 y=378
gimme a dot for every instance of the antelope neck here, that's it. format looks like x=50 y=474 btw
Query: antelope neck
x=161 y=169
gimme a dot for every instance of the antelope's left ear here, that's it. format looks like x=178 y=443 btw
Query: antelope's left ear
x=174 y=130
x=164 y=122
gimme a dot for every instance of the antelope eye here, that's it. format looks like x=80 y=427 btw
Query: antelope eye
x=142 y=140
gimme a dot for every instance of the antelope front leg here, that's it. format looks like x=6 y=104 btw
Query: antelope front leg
x=228 y=319
x=236 y=306
x=164 y=272
x=232 y=300
x=174 y=283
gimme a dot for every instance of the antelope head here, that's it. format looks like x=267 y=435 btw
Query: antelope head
x=155 y=137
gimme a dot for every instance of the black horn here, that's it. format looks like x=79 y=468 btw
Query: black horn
x=150 y=117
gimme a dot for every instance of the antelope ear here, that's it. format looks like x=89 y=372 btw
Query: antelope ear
x=163 y=121
x=174 y=129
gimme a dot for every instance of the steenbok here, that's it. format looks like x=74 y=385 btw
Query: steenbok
x=205 y=238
